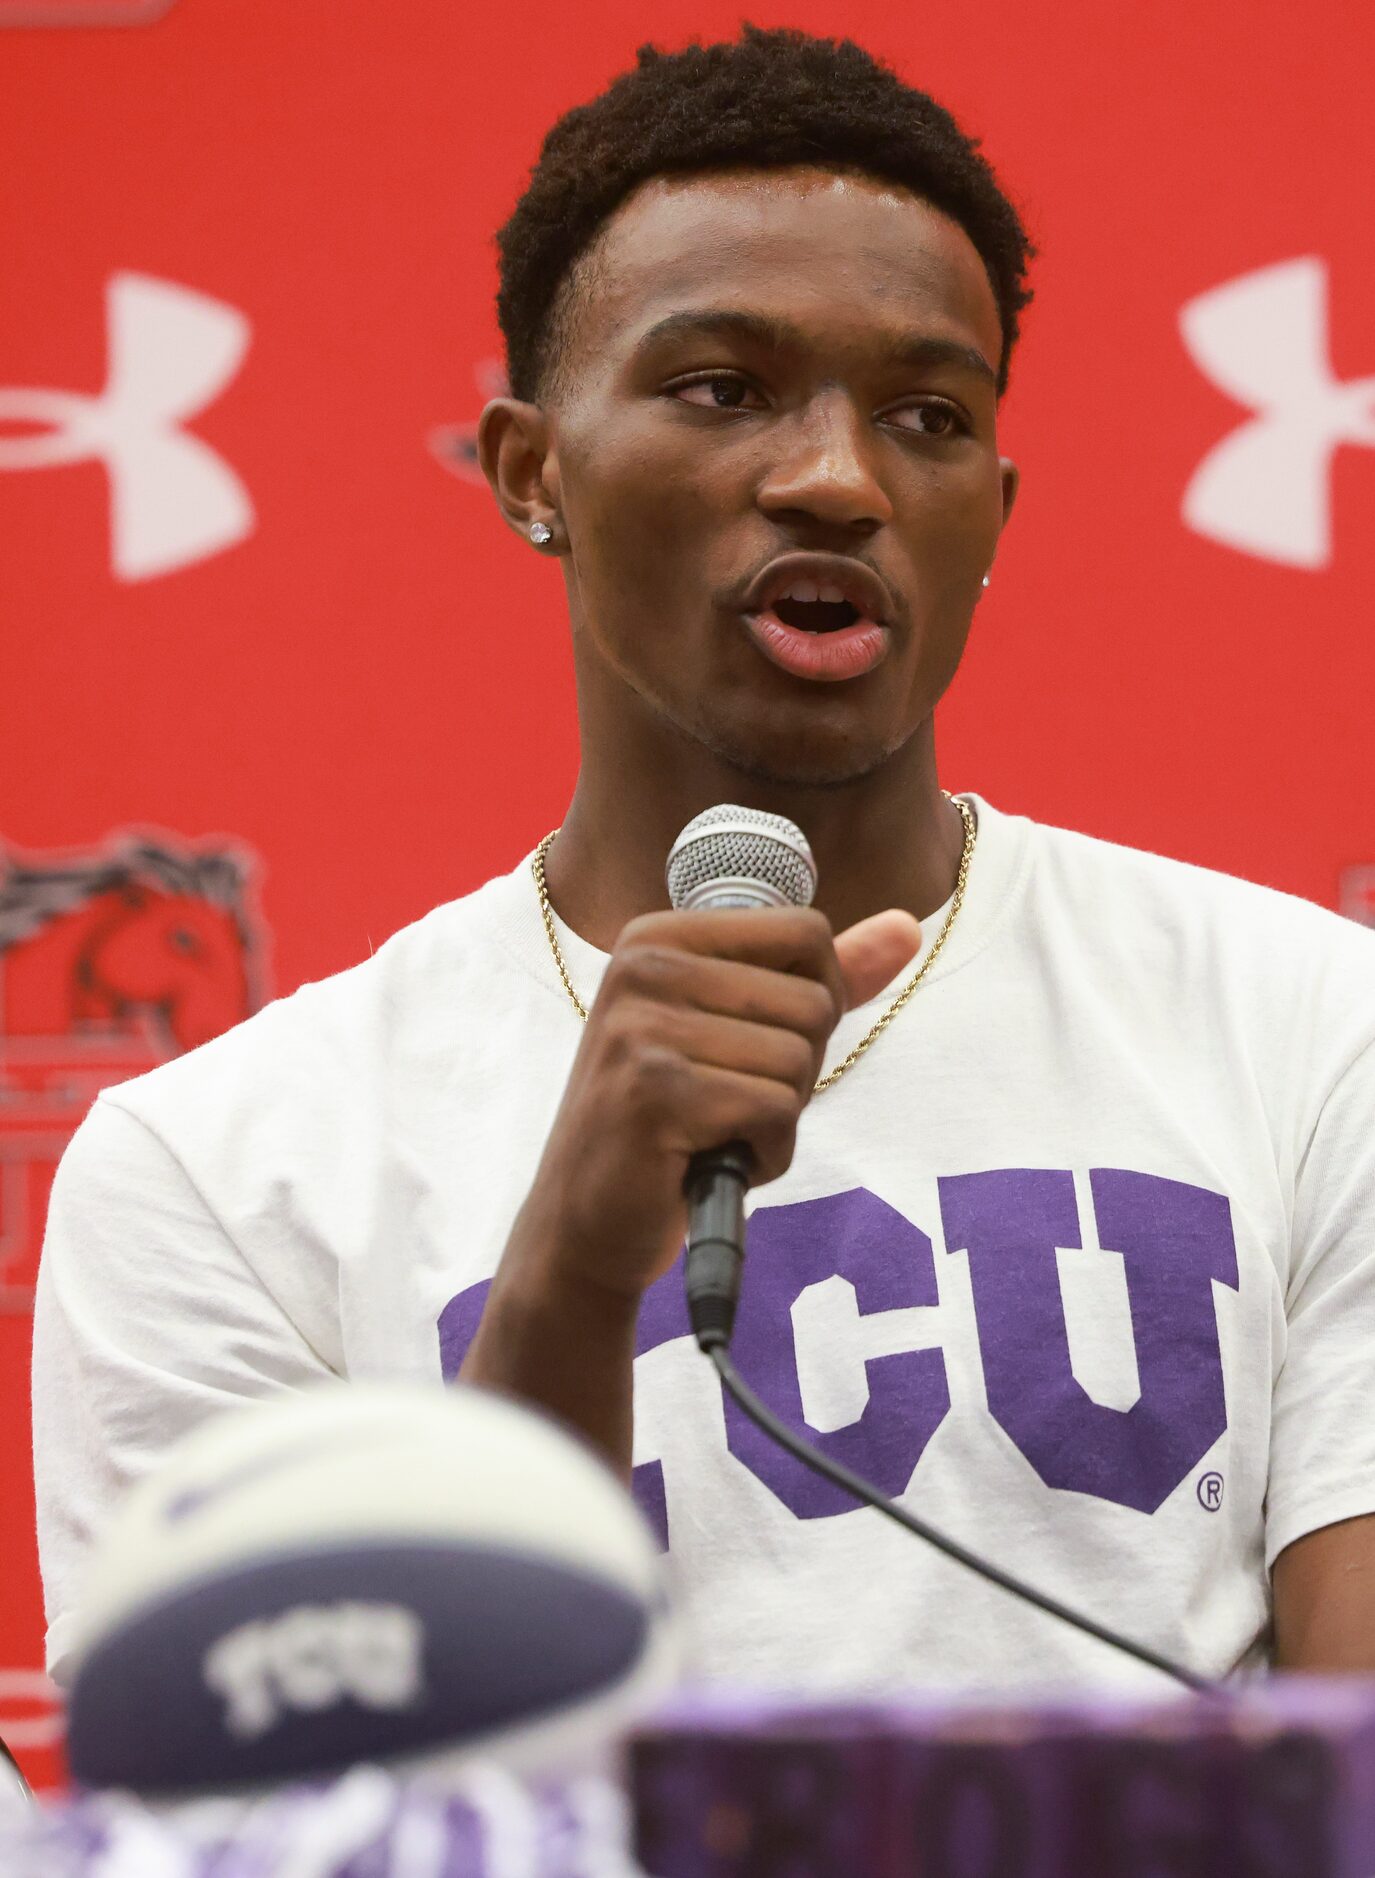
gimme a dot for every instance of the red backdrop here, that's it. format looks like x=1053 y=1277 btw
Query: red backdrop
x=257 y=618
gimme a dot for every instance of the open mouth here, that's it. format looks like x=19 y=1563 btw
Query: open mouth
x=825 y=640
x=816 y=616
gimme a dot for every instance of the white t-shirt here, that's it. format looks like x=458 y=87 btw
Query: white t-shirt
x=1078 y=1261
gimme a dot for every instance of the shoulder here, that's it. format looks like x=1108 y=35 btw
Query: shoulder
x=1302 y=970
x=333 y=1042
x=1132 y=884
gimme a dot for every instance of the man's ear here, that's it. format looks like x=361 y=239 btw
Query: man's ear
x=513 y=448
x=1012 y=481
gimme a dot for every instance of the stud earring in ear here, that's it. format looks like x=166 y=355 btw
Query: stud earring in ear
x=985 y=580
x=540 y=532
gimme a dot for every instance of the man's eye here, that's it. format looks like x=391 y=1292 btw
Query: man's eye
x=722 y=391
x=931 y=420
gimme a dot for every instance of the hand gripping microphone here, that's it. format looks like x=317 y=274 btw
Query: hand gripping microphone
x=733 y=857
x=729 y=857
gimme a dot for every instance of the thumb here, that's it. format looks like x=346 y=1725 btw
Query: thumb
x=874 y=951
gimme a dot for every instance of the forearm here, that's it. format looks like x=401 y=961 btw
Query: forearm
x=1324 y=1591
x=562 y=1345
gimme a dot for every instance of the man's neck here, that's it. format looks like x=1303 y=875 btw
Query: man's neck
x=889 y=839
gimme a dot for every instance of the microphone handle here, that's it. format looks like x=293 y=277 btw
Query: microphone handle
x=715 y=1186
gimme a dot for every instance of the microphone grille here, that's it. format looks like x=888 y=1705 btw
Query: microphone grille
x=732 y=843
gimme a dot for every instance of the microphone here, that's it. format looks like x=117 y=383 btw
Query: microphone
x=729 y=857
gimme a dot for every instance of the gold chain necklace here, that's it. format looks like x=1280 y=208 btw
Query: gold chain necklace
x=966 y=855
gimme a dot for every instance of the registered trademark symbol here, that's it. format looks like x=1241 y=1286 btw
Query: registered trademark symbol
x=1210 y=1492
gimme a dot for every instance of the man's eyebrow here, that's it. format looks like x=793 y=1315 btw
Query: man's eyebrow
x=914 y=349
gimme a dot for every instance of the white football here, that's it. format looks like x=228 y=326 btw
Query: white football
x=365 y=1572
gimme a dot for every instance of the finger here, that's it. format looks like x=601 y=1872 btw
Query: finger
x=782 y=938
x=728 y=1105
x=726 y=988
x=778 y=1055
x=873 y=952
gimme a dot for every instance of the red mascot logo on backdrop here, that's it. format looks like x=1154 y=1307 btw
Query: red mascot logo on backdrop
x=109 y=964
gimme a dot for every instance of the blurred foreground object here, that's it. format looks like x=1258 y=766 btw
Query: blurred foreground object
x=16 y=1802
x=365 y=1573
x=1275 y=1779
x=481 y=1823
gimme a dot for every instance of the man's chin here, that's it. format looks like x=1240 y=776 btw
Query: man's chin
x=831 y=751
x=821 y=763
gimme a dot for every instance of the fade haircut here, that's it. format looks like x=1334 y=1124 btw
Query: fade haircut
x=773 y=98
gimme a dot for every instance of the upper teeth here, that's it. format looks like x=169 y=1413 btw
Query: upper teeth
x=813 y=590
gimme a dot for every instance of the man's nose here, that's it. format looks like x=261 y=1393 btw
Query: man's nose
x=824 y=467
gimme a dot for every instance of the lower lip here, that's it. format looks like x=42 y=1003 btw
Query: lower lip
x=825 y=658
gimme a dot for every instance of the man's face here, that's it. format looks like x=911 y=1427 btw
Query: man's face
x=772 y=363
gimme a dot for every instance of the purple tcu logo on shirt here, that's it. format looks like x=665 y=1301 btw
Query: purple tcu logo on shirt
x=1175 y=1241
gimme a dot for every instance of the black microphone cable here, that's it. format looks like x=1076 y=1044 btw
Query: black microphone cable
x=715 y=1187
x=822 y=1464
x=731 y=856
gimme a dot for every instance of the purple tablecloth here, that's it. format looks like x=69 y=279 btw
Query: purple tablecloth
x=366 y=1824
x=1274 y=1780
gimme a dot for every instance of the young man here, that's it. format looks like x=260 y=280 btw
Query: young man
x=1071 y=1248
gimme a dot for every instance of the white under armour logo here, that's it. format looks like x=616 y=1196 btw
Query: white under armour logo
x=170 y=352
x=1266 y=488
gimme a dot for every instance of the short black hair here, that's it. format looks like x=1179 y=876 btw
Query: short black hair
x=772 y=98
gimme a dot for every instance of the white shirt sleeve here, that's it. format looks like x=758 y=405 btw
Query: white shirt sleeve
x=1322 y=1446
x=147 y=1320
